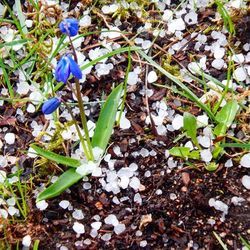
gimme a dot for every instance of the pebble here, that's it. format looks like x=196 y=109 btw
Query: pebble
x=240 y=74
x=64 y=204
x=218 y=63
x=245 y=161
x=26 y=241
x=78 y=228
x=177 y=122
x=143 y=243
x=96 y=225
x=112 y=220
x=206 y=155
x=135 y=183
x=246 y=181
x=152 y=77
x=78 y=214
x=42 y=205
x=106 y=237
x=120 y=228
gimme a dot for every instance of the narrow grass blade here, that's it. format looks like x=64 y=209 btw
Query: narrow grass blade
x=190 y=125
x=245 y=243
x=235 y=145
x=21 y=16
x=107 y=118
x=220 y=241
x=67 y=179
x=13 y=43
x=187 y=91
x=182 y=152
x=55 y=157
x=6 y=79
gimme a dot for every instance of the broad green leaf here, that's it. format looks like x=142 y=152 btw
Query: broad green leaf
x=190 y=125
x=195 y=154
x=220 y=129
x=107 y=118
x=55 y=157
x=218 y=150
x=211 y=166
x=182 y=152
x=64 y=181
x=227 y=114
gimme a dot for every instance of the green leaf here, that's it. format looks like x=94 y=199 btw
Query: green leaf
x=13 y=43
x=55 y=157
x=107 y=118
x=245 y=243
x=223 y=245
x=64 y=181
x=227 y=114
x=235 y=145
x=182 y=152
x=190 y=126
x=195 y=154
x=211 y=166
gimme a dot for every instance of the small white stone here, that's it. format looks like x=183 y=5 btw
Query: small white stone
x=135 y=183
x=238 y=58
x=204 y=141
x=137 y=198
x=10 y=138
x=245 y=161
x=246 y=181
x=42 y=205
x=152 y=77
x=112 y=220
x=26 y=241
x=143 y=243
x=229 y=163
x=31 y=108
x=12 y=211
x=206 y=155
x=132 y=78
x=237 y=200
x=218 y=63
x=64 y=204
x=120 y=228
x=78 y=228
x=3 y=213
x=124 y=181
x=106 y=237
x=11 y=201
x=87 y=185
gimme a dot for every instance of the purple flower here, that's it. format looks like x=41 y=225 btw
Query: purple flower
x=69 y=26
x=51 y=105
x=65 y=66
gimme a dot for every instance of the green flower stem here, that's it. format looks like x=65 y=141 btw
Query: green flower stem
x=85 y=149
x=81 y=106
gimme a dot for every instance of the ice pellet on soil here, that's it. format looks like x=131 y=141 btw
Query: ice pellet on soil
x=229 y=163
x=26 y=241
x=106 y=237
x=191 y=18
x=78 y=214
x=42 y=205
x=117 y=150
x=237 y=200
x=64 y=204
x=245 y=161
x=132 y=78
x=120 y=228
x=173 y=196
x=124 y=122
x=177 y=122
x=137 y=198
x=3 y=213
x=143 y=243
x=78 y=228
x=124 y=181
x=246 y=181
x=10 y=138
x=87 y=185
x=240 y=74
x=218 y=205
x=12 y=211
x=176 y=24
x=85 y=21
x=116 y=200
x=147 y=174
x=158 y=192
x=11 y=201
x=133 y=166
x=238 y=58
x=218 y=63
x=167 y=15
x=206 y=155
x=112 y=220
x=152 y=77
x=96 y=225
x=204 y=141
x=135 y=183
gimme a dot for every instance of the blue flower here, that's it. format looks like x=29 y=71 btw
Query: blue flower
x=51 y=105
x=69 y=26
x=65 y=66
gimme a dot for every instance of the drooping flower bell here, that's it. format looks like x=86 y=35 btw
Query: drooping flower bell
x=51 y=105
x=65 y=67
x=69 y=26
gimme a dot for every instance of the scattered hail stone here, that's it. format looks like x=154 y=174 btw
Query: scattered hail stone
x=204 y=141
x=31 y=108
x=12 y=211
x=137 y=198
x=87 y=185
x=177 y=122
x=120 y=228
x=191 y=18
x=3 y=213
x=109 y=9
x=229 y=163
x=96 y=225
x=202 y=120
x=147 y=174
x=124 y=122
x=138 y=233
x=3 y=161
x=218 y=63
x=173 y=196
x=176 y=25
x=78 y=228
x=240 y=74
x=238 y=58
x=237 y=200
x=63 y=248
x=132 y=78
x=117 y=150
x=93 y=233
x=134 y=183
x=246 y=47
x=42 y=205
x=143 y=243
x=26 y=241
x=78 y=214
x=158 y=192
x=189 y=144
x=218 y=205
x=152 y=77
x=246 y=181
x=171 y=163
x=87 y=241
x=166 y=153
x=206 y=155
x=112 y=220
x=116 y=200
x=245 y=161
x=85 y=21
x=9 y=138
x=106 y=237
x=11 y=201
x=64 y=204
x=211 y=221
x=124 y=181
